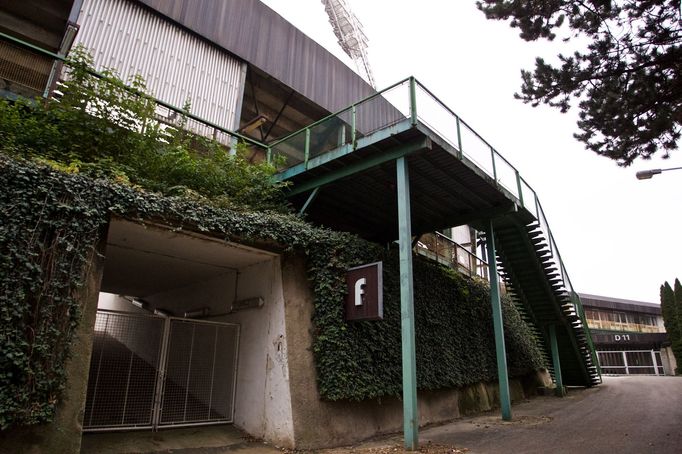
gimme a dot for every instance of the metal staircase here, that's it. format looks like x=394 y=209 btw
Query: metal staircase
x=342 y=172
x=538 y=288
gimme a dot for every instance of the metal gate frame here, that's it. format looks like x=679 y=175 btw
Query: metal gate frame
x=161 y=374
x=163 y=369
x=657 y=362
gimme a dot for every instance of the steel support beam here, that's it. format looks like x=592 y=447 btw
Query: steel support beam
x=410 y=417
x=503 y=379
x=339 y=152
x=362 y=165
x=555 y=361
x=474 y=218
x=311 y=197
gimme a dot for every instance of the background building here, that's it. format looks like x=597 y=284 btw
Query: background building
x=629 y=336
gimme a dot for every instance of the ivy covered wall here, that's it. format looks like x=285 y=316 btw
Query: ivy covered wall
x=454 y=334
x=51 y=220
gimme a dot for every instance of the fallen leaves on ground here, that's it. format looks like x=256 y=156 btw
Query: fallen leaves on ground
x=486 y=422
x=426 y=448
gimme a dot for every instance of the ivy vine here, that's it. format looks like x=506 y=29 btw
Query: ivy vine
x=102 y=128
x=67 y=166
x=52 y=221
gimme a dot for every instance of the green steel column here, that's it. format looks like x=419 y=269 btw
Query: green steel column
x=413 y=100
x=410 y=417
x=306 y=150
x=503 y=379
x=460 y=152
x=555 y=360
x=353 y=132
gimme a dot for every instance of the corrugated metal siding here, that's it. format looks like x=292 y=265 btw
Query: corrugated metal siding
x=176 y=65
x=260 y=36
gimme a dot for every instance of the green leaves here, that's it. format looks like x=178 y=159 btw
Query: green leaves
x=100 y=128
x=671 y=309
x=625 y=83
x=454 y=330
x=51 y=220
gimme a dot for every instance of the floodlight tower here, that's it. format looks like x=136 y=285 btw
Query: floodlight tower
x=351 y=36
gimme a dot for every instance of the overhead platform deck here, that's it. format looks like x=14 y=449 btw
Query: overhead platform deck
x=445 y=191
x=347 y=179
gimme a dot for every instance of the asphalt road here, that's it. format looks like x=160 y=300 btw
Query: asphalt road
x=622 y=415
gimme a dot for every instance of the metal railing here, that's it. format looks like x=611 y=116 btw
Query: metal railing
x=442 y=249
x=167 y=113
x=409 y=100
x=405 y=100
x=345 y=127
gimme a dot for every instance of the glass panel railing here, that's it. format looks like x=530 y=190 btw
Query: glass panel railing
x=476 y=149
x=437 y=116
x=290 y=151
x=506 y=175
x=528 y=198
x=330 y=134
x=388 y=107
x=377 y=112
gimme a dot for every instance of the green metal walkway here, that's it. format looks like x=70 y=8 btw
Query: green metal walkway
x=348 y=169
x=343 y=174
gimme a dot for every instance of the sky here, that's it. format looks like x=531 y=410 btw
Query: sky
x=618 y=236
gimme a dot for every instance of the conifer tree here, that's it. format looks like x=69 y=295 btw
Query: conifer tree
x=623 y=74
x=677 y=344
x=671 y=302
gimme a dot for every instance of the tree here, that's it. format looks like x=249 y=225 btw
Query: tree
x=671 y=308
x=104 y=128
x=627 y=82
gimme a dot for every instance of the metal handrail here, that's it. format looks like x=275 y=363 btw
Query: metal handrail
x=471 y=254
x=533 y=206
x=442 y=104
x=537 y=209
x=134 y=91
x=471 y=268
x=336 y=114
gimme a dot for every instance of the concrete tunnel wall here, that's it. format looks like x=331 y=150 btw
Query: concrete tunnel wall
x=262 y=404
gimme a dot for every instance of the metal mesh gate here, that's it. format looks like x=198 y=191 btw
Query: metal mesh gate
x=148 y=371
x=123 y=370
x=200 y=373
x=633 y=362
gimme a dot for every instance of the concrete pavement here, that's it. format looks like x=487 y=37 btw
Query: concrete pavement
x=623 y=415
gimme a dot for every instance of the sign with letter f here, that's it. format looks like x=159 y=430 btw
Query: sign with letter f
x=364 y=292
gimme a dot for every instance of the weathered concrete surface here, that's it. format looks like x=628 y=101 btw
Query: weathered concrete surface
x=207 y=439
x=63 y=436
x=319 y=424
x=623 y=415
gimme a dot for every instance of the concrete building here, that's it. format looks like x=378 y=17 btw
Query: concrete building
x=186 y=328
x=629 y=336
